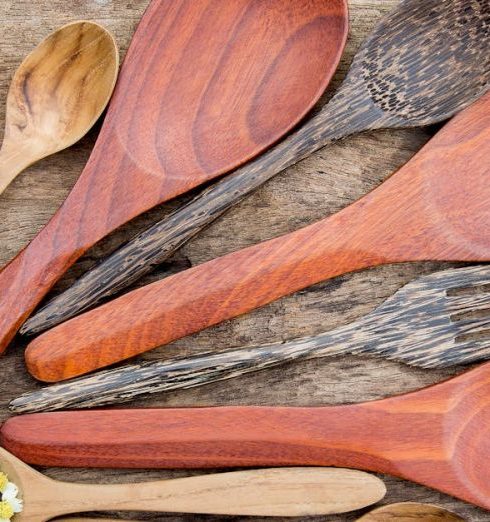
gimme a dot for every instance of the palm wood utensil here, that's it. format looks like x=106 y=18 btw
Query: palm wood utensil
x=266 y=492
x=438 y=437
x=423 y=63
x=164 y=134
x=427 y=323
x=410 y=512
x=436 y=207
x=57 y=94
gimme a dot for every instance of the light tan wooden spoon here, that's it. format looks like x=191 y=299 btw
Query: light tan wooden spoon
x=267 y=492
x=57 y=94
x=410 y=512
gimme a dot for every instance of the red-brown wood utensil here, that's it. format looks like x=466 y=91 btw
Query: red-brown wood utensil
x=206 y=85
x=437 y=207
x=438 y=437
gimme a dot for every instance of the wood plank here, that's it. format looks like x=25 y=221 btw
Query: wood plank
x=318 y=186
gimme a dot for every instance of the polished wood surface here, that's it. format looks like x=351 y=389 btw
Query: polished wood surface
x=438 y=437
x=399 y=78
x=436 y=321
x=437 y=207
x=165 y=134
x=410 y=512
x=57 y=94
x=267 y=492
x=327 y=181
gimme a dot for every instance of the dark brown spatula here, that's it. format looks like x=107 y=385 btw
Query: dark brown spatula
x=427 y=323
x=424 y=62
x=438 y=437
x=206 y=85
x=437 y=207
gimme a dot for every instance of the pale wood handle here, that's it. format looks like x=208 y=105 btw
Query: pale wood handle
x=12 y=162
x=268 y=492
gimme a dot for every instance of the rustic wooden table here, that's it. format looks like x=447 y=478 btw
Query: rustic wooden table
x=320 y=185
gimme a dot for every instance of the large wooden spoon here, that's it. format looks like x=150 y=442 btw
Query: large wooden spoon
x=438 y=437
x=266 y=492
x=205 y=86
x=437 y=207
x=423 y=63
x=57 y=94
x=410 y=512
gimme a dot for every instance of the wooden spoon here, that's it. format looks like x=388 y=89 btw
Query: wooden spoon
x=164 y=134
x=57 y=94
x=437 y=207
x=410 y=512
x=423 y=63
x=266 y=492
x=438 y=437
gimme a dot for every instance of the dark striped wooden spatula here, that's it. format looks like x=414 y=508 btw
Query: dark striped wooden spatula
x=435 y=321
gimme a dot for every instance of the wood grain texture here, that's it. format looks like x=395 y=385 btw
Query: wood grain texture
x=320 y=185
x=164 y=134
x=57 y=94
x=439 y=320
x=420 y=213
x=281 y=492
x=410 y=512
x=399 y=78
x=437 y=437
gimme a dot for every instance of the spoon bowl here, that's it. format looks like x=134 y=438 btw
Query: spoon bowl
x=410 y=512
x=57 y=94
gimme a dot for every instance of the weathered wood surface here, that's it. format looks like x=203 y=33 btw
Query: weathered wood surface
x=324 y=183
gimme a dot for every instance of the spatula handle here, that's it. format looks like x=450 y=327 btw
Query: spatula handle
x=284 y=492
x=13 y=160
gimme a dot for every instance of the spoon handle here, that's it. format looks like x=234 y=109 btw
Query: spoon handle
x=158 y=243
x=267 y=492
x=12 y=162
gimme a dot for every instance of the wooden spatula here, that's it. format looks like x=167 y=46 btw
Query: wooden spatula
x=265 y=492
x=206 y=85
x=427 y=323
x=437 y=207
x=423 y=63
x=438 y=437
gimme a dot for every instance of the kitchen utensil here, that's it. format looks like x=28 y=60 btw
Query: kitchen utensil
x=410 y=512
x=206 y=85
x=421 y=325
x=438 y=437
x=266 y=492
x=57 y=94
x=437 y=207
x=423 y=63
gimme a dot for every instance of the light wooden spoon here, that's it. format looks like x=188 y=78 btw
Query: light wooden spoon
x=410 y=512
x=57 y=94
x=268 y=492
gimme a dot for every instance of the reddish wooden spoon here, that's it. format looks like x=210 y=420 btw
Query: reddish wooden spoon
x=437 y=207
x=206 y=85
x=438 y=437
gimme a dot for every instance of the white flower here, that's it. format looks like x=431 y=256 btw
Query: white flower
x=9 y=503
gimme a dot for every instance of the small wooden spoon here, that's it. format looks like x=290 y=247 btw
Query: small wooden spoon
x=57 y=94
x=410 y=512
x=266 y=492
x=437 y=207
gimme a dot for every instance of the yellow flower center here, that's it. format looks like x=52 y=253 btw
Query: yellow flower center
x=6 y=510
x=3 y=482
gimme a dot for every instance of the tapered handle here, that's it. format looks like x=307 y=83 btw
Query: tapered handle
x=13 y=160
x=128 y=382
x=269 y=492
